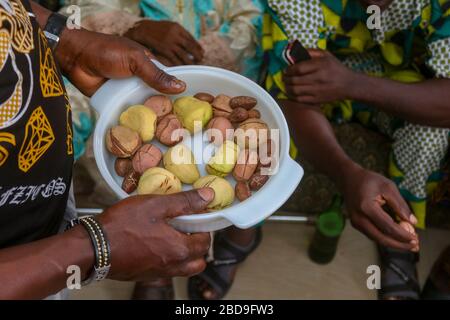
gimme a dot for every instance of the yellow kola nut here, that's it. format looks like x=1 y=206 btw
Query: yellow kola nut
x=158 y=181
x=193 y=113
x=224 y=192
x=181 y=162
x=141 y=119
x=224 y=160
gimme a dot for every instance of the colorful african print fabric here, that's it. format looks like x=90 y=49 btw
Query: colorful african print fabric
x=412 y=44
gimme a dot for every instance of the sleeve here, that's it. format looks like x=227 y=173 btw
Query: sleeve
x=438 y=40
x=105 y=16
x=274 y=42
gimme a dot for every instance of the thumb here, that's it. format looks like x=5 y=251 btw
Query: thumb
x=155 y=77
x=317 y=53
x=193 y=201
x=399 y=205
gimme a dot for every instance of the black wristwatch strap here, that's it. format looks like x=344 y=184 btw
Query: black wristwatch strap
x=54 y=27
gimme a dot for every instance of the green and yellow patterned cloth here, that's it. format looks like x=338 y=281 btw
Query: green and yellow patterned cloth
x=412 y=44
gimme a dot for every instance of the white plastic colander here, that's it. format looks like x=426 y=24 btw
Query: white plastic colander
x=116 y=95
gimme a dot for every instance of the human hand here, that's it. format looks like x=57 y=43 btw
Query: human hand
x=89 y=59
x=322 y=79
x=145 y=247
x=168 y=40
x=366 y=195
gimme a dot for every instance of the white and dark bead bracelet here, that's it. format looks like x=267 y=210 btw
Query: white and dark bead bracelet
x=101 y=247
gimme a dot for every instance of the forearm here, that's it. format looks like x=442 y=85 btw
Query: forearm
x=41 y=13
x=317 y=142
x=425 y=103
x=38 y=269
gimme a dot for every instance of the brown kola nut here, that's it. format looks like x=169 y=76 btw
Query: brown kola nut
x=148 y=156
x=246 y=165
x=251 y=133
x=224 y=126
x=407 y=226
x=257 y=181
x=221 y=106
x=265 y=153
x=204 y=97
x=410 y=228
x=242 y=191
x=166 y=128
x=122 y=166
x=160 y=104
x=243 y=102
x=130 y=182
x=253 y=124
x=122 y=142
x=254 y=114
x=238 y=115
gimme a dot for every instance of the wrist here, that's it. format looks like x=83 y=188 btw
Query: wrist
x=131 y=32
x=100 y=245
x=111 y=232
x=71 y=44
x=79 y=246
x=141 y=31
x=359 y=86
x=344 y=171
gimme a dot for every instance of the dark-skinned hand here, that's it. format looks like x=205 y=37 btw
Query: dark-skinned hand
x=89 y=59
x=322 y=79
x=367 y=195
x=144 y=246
x=167 y=40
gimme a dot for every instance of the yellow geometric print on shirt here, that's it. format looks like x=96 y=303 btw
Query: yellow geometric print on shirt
x=69 y=132
x=7 y=138
x=69 y=140
x=20 y=26
x=50 y=84
x=4 y=47
x=38 y=138
x=11 y=106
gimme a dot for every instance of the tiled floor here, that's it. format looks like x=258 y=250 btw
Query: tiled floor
x=281 y=269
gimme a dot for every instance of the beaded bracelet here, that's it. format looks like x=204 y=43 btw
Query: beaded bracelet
x=101 y=247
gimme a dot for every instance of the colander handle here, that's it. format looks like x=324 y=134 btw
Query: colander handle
x=114 y=87
x=286 y=181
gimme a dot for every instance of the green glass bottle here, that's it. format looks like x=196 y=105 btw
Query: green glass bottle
x=329 y=227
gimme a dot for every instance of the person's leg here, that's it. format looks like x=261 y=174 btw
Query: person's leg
x=437 y=286
x=417 y=154
x=319 y=145
x=231 y=247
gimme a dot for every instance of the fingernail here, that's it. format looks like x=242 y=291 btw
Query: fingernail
x=207 y=194
x=177 y=84
x=413 y=219
x=414 y=242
